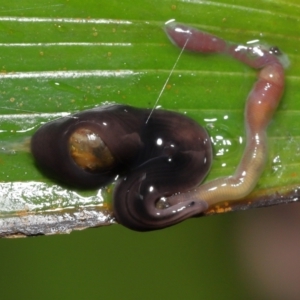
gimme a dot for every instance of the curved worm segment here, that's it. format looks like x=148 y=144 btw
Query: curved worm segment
x=194 y=40
x=260 y=106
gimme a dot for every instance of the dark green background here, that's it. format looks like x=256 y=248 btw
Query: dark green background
x=194 y=260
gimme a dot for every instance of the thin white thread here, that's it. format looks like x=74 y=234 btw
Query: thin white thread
x=164 y=86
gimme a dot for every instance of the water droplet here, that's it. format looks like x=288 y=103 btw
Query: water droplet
x=224 y=142
x=63 y=87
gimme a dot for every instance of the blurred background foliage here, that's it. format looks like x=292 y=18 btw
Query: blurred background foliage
x=244 y=255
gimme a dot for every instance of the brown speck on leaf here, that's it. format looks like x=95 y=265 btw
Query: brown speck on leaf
x=12 y=99
x=173 y=7
x=22 y=213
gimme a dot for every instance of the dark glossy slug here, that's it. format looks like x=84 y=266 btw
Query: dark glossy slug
x=168 y=154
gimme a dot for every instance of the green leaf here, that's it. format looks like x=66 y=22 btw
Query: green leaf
x=64 y=57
